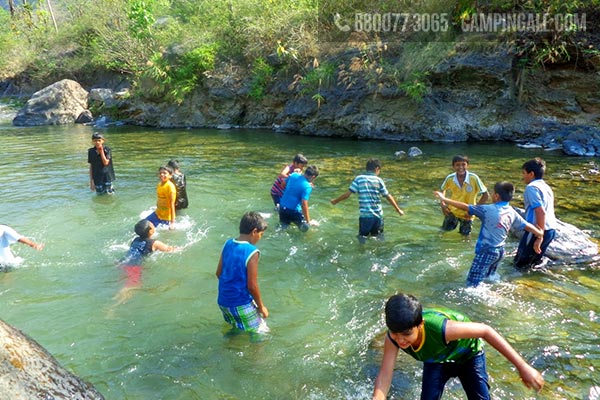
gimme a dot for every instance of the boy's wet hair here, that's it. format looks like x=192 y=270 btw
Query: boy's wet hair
x=142 y=228
x=373 y=164
x=173 y=164
x=537 y=166
x=250 y=221
x=460 y=158
x=402 y=313
x=300 y=159
x=505 y=190
x=165 y=168
x=312 y=171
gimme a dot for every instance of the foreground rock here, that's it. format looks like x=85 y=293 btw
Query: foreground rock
x=28 y=371
x=60 y=103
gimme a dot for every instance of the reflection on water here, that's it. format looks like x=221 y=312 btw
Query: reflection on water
x=324 y=291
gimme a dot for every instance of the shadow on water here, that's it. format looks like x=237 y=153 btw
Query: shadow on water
x=325 y=292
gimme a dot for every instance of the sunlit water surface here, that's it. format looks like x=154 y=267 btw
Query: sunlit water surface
x=325 y=292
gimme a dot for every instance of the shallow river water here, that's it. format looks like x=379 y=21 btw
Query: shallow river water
x=324 y=290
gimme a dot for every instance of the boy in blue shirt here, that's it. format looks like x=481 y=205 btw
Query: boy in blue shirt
x=370 y=187
x=293 y=205
x=497 y=220
x=239 y=297
x=449 y=344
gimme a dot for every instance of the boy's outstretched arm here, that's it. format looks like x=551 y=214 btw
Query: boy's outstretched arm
x=457 y=204
x=160 y=246
x=341 y=198
x=392 y=201
x=459 y=330
x=31 y=243
x=384 y=378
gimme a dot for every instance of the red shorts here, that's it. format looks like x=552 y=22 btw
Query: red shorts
x=134 y=275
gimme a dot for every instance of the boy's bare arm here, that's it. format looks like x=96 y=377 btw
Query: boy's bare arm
x=539 y=233
x=392 y=201
x=484 y=198
x=341 y=198
x=160 y=246
x=252 y=268
x=384 y=378
x=460 y=330
x=457 y=204
x=31 y=243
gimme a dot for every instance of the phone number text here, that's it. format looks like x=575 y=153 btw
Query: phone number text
x=401 y=22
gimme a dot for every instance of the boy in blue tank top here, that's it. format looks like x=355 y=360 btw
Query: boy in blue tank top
x=449 y=344
x=239 y=296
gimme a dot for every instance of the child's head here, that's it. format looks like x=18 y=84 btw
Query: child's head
x=460 y=158
x=97 y=137
x=504 y=190
x=144 y=228
x=311 y=172
x=174 y=164
x=402 y=313
x=251 y=221
x=537 y=166
x=299 y=160
x=373 y=164
x=165 y=173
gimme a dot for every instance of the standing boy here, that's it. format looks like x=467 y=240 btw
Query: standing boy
x=166 y=194
x=449 y=346
x=178 y=179
x=464 y=186
x=370 y=187
x=294 y=202
x=497 y=220
x=538 y=199
x=297 y=165
x=9 y=236
x=239 y=297
x=102 y=173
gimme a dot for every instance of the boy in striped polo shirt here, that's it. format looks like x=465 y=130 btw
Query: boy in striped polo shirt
x=370 y=188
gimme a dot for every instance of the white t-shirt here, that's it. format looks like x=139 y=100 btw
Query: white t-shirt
x=8 y=236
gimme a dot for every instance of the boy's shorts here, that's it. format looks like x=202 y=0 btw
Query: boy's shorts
x=156 y=221
x=104 y=188
x=370 y=226
x=484 y=265
x=244 y=317
x=134 y=275
x=287 y=217
x=451 y=222
x=471 y=373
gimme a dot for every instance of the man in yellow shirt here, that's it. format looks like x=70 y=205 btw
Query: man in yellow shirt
x=464 y=186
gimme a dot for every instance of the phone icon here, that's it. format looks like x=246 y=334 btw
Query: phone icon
x=337 y=20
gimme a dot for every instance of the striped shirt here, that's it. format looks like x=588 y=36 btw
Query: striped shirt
x=370 y=188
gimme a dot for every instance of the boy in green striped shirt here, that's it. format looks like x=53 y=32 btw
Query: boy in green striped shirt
x=449 y=344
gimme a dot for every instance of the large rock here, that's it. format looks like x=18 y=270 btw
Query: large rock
x=28 y=371
x=57 y=104
x=571 y=244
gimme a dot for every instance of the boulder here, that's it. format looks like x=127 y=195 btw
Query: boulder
x=57 y=104
x=28 y=371
x=570 y=244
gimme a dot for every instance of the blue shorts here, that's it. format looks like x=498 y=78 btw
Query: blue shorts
x=526 y=257
x=451 y=222
x=472 y=374
x=484 y=265
x=288 y=216
x=370 y=226
x=156 y=221
x=244 y=317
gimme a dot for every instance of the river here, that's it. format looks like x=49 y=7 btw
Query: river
x=324 y=290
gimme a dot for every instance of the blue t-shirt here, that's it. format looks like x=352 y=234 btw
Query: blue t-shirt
x=538 y=194
x=370 y=188
x=496 y=221
x=233 y=282
x=297 y=188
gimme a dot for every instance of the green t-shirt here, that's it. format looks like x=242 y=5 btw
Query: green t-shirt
x=434 y=348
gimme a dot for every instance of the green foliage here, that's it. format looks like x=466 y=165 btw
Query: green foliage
x=262 y=74
x=140 y=15
x=417 y=87
x=175 y=76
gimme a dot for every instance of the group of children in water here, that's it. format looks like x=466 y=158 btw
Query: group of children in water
x=448 y=343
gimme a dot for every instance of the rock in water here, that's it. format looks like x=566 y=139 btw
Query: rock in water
x=28 y=371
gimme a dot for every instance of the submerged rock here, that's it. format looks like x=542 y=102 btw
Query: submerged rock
x=28 y=371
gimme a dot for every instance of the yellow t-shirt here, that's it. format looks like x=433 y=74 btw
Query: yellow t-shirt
x=467 y=193
x=165 y=193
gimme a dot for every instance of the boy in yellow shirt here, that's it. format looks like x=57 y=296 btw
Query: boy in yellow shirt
x=165 y=203
x=464 y=186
